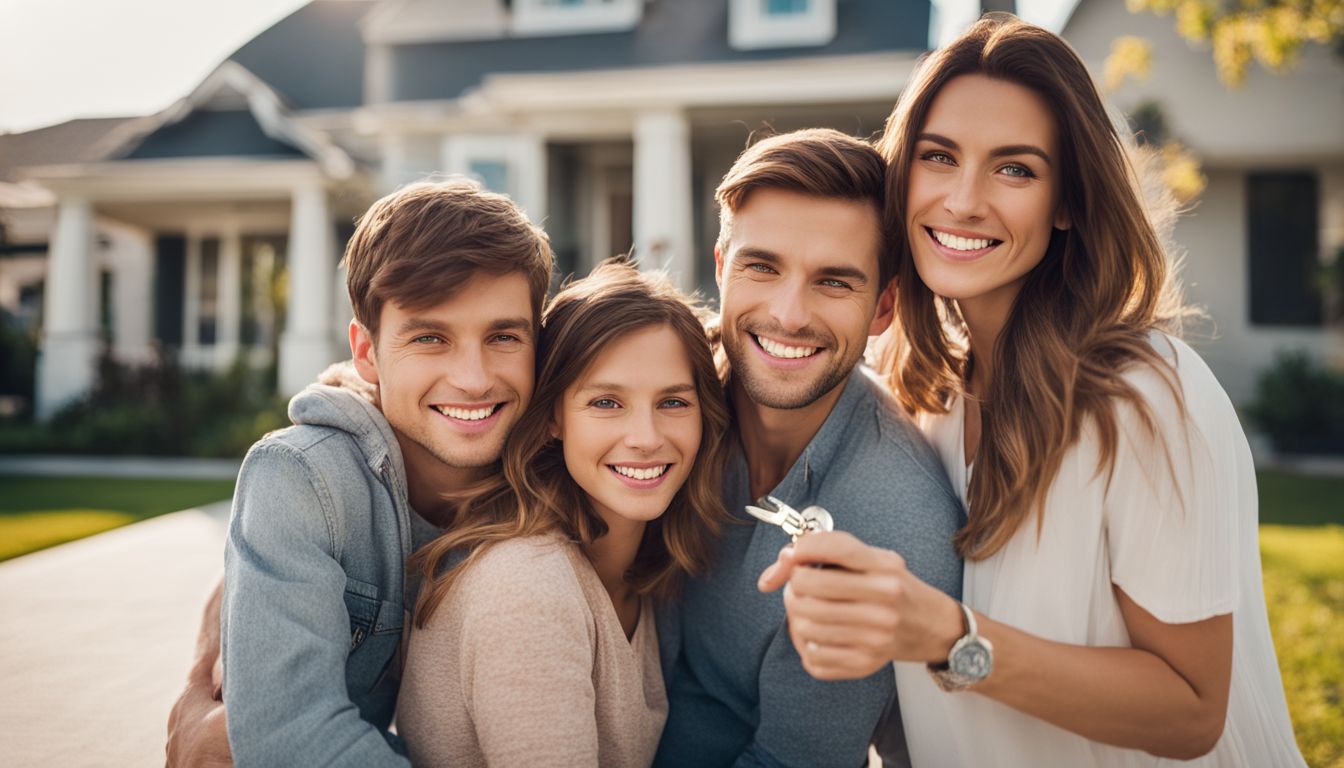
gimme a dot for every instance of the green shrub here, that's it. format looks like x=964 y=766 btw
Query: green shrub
x=1299 y=403
x=159 y=409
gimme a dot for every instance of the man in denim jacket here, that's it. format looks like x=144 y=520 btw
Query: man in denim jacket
x=446 y=282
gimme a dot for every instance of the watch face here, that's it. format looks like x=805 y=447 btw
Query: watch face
x=973 y=660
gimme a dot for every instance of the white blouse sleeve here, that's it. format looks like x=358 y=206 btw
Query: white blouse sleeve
x=1176 y=498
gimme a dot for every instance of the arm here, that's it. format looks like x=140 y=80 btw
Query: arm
x=197 y=732
x=1166 y=695
x=286 y=630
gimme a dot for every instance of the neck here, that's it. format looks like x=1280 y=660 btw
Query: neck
x=985 y=318
x=774 y=438
x=613 y=553
x=429 y=481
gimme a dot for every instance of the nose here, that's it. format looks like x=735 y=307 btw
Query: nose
x=643 y=433
x=470 y=372
x=965 y=199
x=788 y=306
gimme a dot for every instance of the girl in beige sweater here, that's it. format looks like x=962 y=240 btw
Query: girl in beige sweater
x=539 y=647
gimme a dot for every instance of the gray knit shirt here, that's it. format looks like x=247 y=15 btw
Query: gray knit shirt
x=737 y=691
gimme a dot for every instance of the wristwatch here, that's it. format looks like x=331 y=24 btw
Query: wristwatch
x=970 y=660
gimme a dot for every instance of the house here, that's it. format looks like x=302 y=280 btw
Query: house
x=1273 y=210
x=214 y=228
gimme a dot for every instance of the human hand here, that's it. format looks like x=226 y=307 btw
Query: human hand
x=849 y=621
x=197 y=725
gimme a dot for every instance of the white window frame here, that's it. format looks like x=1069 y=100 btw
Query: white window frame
x=751 y=28
x=523 y=155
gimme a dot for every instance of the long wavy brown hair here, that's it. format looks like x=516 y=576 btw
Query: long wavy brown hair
x=534 y=493
x=1084 y=312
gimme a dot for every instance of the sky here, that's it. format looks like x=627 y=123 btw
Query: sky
x=62 y=59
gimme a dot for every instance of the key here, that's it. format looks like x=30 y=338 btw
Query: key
x=770 y=510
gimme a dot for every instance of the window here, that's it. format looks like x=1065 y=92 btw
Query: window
x=208 y=316
x=1282 y=215
x=494 y=174
x=756 y=24
x=784 y=7
x=559 y=17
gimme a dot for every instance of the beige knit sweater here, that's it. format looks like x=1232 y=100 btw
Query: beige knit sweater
x=526 y=664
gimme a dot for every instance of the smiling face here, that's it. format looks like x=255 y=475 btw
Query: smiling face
x=983 y=191
x=799 y=294
x=630 y=426
x=453 y=378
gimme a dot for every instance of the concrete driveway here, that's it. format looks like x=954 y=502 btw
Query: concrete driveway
x=96 y=637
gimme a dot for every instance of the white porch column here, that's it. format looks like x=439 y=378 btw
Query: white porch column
x=230 y=298
x=68 y=361
x=305 y=347
x=663 y=195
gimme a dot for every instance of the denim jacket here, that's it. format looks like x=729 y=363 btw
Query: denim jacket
x=314 y=588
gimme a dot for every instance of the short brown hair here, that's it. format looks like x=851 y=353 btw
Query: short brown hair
x=535 y=493
x=815 y=161
x=420 y=244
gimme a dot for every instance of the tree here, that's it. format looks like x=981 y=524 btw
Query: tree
x=1269 y=32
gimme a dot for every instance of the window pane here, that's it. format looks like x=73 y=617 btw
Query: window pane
x=494 y=174
x=209 y=313
x=784 y=7
x=1282 y=232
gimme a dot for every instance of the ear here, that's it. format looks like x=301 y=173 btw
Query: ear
x=362 y=350
x=718 y=266
x=1062 y=220
x=553 y=428
x=886 y=309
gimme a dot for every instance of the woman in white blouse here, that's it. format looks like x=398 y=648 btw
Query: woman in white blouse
x=1114 y=613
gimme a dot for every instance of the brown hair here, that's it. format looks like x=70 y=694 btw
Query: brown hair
x=420 y=244
x=815 y=161
x=536 y=494
x=1083 y=313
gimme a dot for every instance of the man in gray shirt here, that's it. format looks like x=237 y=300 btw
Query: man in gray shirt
x=805 y=275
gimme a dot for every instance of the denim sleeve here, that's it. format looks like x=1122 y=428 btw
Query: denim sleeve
x=286 y=630
x=810 y=722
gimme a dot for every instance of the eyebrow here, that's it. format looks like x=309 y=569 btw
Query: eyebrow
x=674 y=389
x=425 y=324
x=1004 y=151
x=852 y=274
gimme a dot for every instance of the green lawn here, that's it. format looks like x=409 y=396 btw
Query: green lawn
x=1301 y=544
x=40 y=512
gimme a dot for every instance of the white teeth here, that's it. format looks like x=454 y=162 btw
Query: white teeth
x=465 y=414
x=641 y=473
x=960 y=243
x=780 y=350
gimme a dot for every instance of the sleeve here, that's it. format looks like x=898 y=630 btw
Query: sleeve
x=285 y=628
x=1174 y=498
x=527 y=662
x=793 y=702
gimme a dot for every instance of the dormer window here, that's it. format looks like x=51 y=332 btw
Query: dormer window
x=560 y=17
x=755 y=24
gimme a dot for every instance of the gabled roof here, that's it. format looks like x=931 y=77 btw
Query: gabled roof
x=314 y=58
x=671 y=32
x=231 y=113
x=75 y=141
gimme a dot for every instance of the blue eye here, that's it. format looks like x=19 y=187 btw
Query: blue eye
x=938 y=156
x=674 y=402
x=1018 y=171
x=764 y=269
x=831 y=282
x=605 y=402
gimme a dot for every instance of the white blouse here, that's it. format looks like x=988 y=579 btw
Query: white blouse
x=1183 y=543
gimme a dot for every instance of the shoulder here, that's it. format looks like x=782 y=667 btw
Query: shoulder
x=1182 y=390
x=889 y=447
x=531 y=569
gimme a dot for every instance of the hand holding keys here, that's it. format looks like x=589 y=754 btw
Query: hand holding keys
x=770 y=510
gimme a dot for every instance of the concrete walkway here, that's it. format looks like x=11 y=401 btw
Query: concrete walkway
x=119 y=466
x=96 y=638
